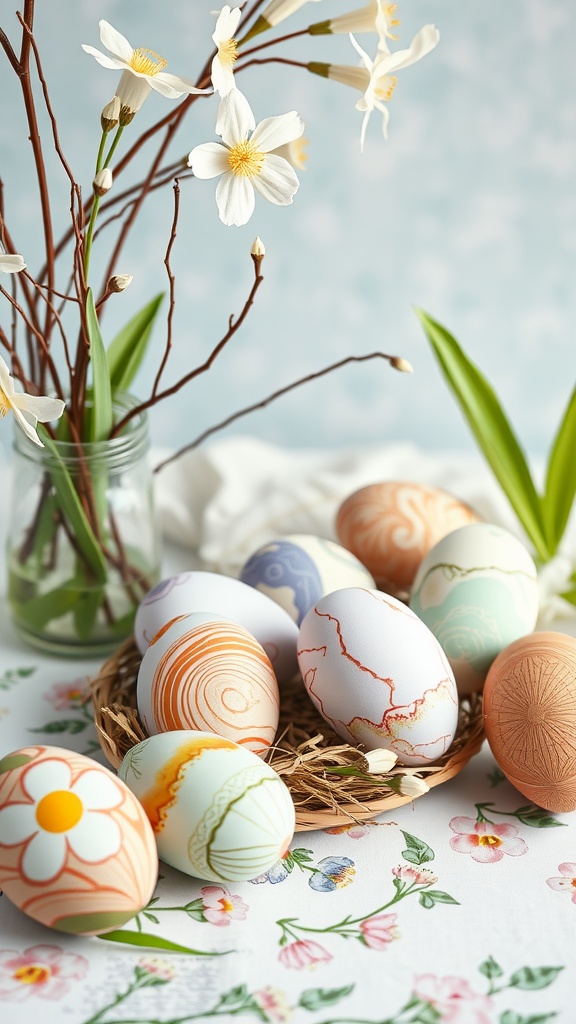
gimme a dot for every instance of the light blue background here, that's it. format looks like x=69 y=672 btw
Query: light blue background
x=468 y=211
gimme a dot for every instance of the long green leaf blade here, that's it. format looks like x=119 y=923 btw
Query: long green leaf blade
x=126 y=352
x=154 y=942
x=491 y=429
x=561 y=476
x=102 y=418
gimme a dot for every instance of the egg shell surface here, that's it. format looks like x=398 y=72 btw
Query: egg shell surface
x=209 y=675
x=298 y=569
x=217 y=810
x=477 y=590
x=391 y=526
x=77 y=852
x=229 y=598
x=530 y=717
x=378 y=675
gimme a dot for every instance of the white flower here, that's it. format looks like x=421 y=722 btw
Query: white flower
x=380 y=760
x=382 y=82
x=63 y=816
x=223 y=62
x=246 y=161
x=28 y=409
x=279 y=10
x=142 y=69
x=11 y=264
x=411 y=785
x=375 y=17
x=294 y=152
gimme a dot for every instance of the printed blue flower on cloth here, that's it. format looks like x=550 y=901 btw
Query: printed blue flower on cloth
x=333 y=873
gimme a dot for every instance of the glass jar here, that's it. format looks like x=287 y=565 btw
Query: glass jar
x=83 y=543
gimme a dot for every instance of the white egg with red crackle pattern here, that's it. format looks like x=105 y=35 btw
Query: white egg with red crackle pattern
x=378 y=675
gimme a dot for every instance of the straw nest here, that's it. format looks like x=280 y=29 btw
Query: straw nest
x=327 y=778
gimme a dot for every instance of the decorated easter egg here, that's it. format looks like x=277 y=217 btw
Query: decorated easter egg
x=390 y=526
x=228 y=598
x=77 y=852
x=217 y=810
x=530 y=717
x=378 y=675
x=477 y=590
x=209 y=675
x=297 y=570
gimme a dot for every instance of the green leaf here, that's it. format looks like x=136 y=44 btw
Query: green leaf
x=417 y=852
x=437 y=896
x=510 y=1017
x=317 y=998
x=530 y=978
x=560 y=485
x=154 y=942
x=492 y=431
x=71 y=725
x=37 y=611
x=537 y=817
x=126 y=351
x=86 y=610
x=102 y=418
x=490 y=969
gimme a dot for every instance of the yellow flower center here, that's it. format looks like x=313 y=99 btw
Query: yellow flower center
x=386 y=87
x=59 y=811
x=489 y=841
x=245 y=160
x=389 y=11
x=228 y=52
x=32 y=974
x=4 y=403
x=146 y=62
x=226 y=905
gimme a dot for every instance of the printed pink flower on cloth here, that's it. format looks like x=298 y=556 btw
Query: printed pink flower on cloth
x=484 y=841
x=274 y=1004
x=303 y=953
x=66 y=696
x=454 y=1000
x=414 y=876
x=567 y=883
x=352 y=830
x=378 y=932
x=221 y=907
x=44 y=971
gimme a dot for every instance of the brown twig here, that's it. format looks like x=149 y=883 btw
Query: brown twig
x=172 y=289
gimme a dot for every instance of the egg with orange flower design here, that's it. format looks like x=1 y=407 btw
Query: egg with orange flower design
x=77 y=852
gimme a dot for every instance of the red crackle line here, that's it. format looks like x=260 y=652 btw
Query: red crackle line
x=395 y=713
x=363 y=668
x=311 y=675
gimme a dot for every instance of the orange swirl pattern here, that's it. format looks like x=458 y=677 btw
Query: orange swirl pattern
x=217 y=678
x=391 y=526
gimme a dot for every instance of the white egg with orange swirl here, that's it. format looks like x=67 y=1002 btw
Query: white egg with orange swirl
x=207 y=673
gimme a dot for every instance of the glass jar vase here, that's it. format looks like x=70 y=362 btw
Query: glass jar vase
x=83 y=543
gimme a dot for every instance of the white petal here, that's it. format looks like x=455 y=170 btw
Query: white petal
x=104 y=59
x=173 y=85
x=115 y=42
x=423 y=42
x=132 y=90
x=6 y=380
x=222 y=77
x=368 y=64
x=235 y=199
x=276 y=131
x=365 y=120
x=26 y=426
x=235 y=118
x=209 y=160
x=40 y=407
x=45 y=777
x=226 y=24
x=97 y=791
x=11 y=263
x=96 y=837
x=44 y=856
x=17 y=823
x=277 y=181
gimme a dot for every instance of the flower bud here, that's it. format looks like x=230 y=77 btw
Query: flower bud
x=110 y=115
x=258 y=248
x=412 y=786
x=119 y=282
x=401 y=364
x=380 y=761
x=103 y=182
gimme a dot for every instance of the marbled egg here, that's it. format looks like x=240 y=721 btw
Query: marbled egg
x=210 y=675
x=218 y=812
x=378 y=675
x=390 y=526
x=477 y=590
x=298 y=569
x=530 y=717
x=77 y=852
x=199 y=591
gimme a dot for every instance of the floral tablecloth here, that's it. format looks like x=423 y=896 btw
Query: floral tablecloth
x=460 y=907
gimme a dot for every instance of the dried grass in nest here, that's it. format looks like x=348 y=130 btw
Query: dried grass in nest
x=326 y=777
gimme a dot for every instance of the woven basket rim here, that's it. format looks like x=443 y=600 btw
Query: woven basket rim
x=307 y=758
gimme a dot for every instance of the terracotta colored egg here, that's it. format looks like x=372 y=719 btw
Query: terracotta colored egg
x=378 y=675
x=228 y=598
x=218 y=811
x=477 y=590
x=530 y=717
x=209 y=675
x=390 y=526
x=77 y=852
x=298 y=569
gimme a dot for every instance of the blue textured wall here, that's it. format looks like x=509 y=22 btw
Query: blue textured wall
x=468 y=210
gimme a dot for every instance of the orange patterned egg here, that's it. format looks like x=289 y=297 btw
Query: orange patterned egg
x=77 y=852
x=211 y=675
x=391 y=526
x=530 y=717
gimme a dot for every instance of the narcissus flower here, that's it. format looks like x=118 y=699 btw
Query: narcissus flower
x=274 y=13
x=245 y=159
x=375 y=17
x=29 y=410
x=142 y=71
x=11 y=263
x=225 y=58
